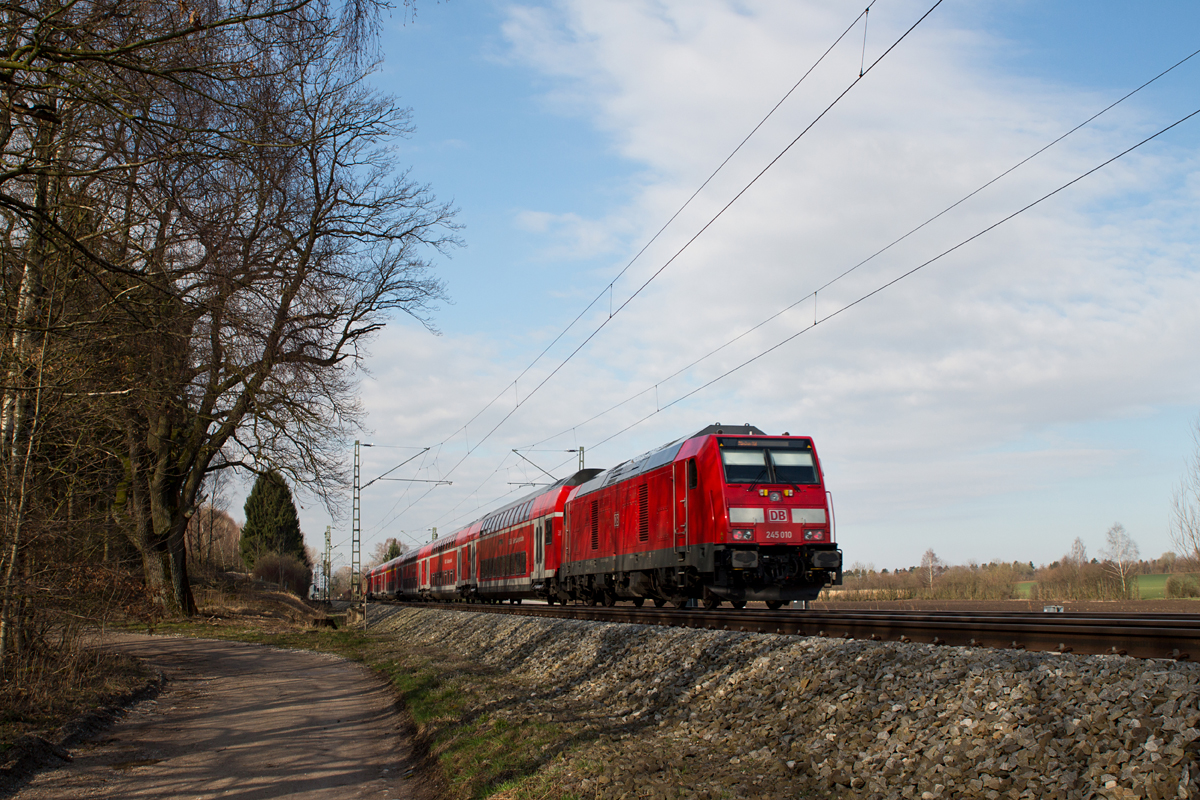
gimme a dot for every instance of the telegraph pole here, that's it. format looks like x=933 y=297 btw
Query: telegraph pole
x=356 y=529
x=328 y=558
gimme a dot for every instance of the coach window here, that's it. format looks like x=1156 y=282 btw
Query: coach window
x=537 y=534
x=549 y=531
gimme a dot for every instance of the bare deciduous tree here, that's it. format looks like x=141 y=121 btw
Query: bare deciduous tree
x=200 y=228
x=385 y=551
x=931 y=566
x=1185 y=505
x=1078 y=554
x=1121 y=555
x=213 y=538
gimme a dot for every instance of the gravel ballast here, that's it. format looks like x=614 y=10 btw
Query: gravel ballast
x=677 y=712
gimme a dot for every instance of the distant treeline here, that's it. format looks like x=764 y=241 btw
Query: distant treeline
x=1066 y=579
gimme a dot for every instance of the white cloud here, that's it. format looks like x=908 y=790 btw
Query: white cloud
x=939 y=399
x=572 y=237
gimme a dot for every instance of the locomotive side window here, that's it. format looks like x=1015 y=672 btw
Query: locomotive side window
x=793 y=467
x=693 y=479
x=745 y=466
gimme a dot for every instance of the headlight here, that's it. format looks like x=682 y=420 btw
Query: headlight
x=743 y=536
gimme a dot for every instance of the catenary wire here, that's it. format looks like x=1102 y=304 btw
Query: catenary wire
x=902 y=276
x=608 y=287
x=694 y=237
x=876 y=254
x=887 y=284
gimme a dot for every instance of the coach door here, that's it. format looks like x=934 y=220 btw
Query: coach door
x=538 y=551
x=679 y=480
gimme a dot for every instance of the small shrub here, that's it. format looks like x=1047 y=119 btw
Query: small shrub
x=1182 y=586
x=292 y=574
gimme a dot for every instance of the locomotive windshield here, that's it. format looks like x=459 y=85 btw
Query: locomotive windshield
x=744 y=466
x=793 y=467
x=751 y=461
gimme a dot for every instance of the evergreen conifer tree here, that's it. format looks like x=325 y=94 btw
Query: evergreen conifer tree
x=272 y=524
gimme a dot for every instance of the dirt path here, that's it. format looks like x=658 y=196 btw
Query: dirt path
x=243 y=722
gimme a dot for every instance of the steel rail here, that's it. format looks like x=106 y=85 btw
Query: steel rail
x=1171 y=636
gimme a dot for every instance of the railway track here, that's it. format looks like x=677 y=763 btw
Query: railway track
x=1170 y=636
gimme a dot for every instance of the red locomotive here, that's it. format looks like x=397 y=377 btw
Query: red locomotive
x=726 y=514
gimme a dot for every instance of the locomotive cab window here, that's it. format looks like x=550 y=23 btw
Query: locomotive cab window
x=777 y=462
x=745 y=466
x=793 y=467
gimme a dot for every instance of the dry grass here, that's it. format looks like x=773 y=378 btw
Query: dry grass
x=59 y=679
x=60 y=676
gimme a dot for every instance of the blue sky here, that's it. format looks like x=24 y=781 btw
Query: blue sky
x=1036 y=385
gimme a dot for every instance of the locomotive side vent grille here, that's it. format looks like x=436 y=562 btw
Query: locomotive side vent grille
x=644 y=513
x=595 y=525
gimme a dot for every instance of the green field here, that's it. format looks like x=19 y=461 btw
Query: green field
x=1153 y=587
x=1150 y=587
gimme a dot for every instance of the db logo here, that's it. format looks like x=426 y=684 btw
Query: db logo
x=777 y=515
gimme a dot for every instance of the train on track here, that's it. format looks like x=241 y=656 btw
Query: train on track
x=727 y=514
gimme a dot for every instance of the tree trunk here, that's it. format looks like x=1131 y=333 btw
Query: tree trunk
x=155 y=564
x=18 y=417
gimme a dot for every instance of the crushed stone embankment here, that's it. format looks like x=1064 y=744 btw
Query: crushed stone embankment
x=693 y=713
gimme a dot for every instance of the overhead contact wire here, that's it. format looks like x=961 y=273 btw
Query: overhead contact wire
x=667 y=224
x=904 y=275
x=691 y=240
x=702 y=230
x=813 y=294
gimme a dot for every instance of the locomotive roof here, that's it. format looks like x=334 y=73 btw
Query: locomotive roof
x=660 y=455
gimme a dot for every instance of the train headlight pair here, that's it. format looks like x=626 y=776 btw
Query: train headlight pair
x=814 y=536
x=742 y=535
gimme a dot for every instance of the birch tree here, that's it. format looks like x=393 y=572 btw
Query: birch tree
x=1120 y=555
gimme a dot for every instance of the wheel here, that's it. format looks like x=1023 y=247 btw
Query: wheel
x=550 y=600
x=711 y=602
x=659 y=602
x=637 y=602
x=681 y=603
x=609 y=599
x=774 y=605
x=738 y=603
x=593 y=600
